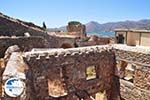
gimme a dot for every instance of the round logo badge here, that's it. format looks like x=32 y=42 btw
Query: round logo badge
x=14 y=87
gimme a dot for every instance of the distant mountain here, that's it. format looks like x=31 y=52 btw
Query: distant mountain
x=93 y=26
x=97 y=27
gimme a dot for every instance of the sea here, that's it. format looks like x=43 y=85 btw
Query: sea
x=104 y=34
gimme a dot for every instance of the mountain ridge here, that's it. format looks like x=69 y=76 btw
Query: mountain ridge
x=94 y=26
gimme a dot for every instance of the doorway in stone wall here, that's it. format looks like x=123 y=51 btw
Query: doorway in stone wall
x=66 y=45
x=120 y=39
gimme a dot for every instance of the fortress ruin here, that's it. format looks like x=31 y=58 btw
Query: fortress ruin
x=53 y=69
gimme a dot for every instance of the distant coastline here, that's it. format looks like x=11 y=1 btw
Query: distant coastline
x=102 y=33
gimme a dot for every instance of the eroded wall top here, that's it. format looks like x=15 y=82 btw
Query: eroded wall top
x=76 y=71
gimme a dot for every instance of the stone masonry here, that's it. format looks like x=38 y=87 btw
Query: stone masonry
x=76 y=28
x=139 y=58
x=15 y=27
x=61 y=73
x=10 y=27
x=66 y=69
x=25 y=43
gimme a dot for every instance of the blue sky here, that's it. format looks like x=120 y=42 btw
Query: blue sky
x=57 y=13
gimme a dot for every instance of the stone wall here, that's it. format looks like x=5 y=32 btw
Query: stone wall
x=1 y=71
x=135 y=74
x=14 y=27
x=24 y=43
x=92 y=40
x=76 y=28
x=130 y=56
x=142 y=78
x=65 y=69
x=130 y=92
x=65 y=40
x=61 y=73
x=15 y=68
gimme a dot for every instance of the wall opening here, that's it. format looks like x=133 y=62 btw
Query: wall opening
x=90 y=72
x=120 y=39
x=66 y=45
x=129 y=72
x=101 y=95
x=56 y=88
x=126 y=70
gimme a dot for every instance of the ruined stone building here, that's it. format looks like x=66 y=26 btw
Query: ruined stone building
x=50 y=68
x=83 y=73
x=133 y=37
x=76 y=28
x=65 y=74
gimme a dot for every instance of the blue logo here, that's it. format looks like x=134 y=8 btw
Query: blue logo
x=14 y=87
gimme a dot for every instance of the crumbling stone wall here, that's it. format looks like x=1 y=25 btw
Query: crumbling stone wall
x=24 y=43
x=76 y=28
x=14 y=27
x=139 y=87
x=65 y=40
x=63 y=70
x=79 y=60
x=2 y=65
x=15 y=68
x=131 y=92
x=66 y=69
x=93 y=40
x=140 y=58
